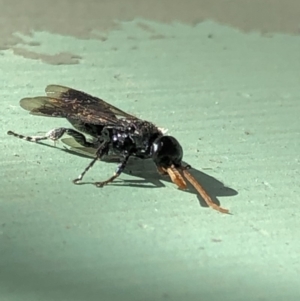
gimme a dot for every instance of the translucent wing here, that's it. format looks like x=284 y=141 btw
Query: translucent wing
x=73 y=104
x=43 y=106
x=68 y=94
x=75 y=147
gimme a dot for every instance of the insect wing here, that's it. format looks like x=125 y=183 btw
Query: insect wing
x=43 y=106
x=52 y=107
x=75 y=147
x=73 y=104
x=88 y=101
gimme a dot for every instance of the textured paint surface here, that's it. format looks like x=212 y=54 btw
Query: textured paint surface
x=96 y=19
x=230 y=98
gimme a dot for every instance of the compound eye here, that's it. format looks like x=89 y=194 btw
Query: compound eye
x=167 y=151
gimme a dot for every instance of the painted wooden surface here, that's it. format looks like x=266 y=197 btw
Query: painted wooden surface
x=231 y=99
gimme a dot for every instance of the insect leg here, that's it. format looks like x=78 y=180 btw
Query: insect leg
x=54 y=135
x=103 y=149
x=33 y=138
x=118 y=171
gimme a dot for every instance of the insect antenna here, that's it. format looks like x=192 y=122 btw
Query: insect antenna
x=176 y=177
x=202 y=192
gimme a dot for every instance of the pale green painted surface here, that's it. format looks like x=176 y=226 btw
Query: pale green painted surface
x=232 y=100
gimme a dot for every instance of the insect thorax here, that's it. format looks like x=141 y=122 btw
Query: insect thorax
x=136 y=138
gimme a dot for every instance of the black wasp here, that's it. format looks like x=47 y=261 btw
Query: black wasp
x=113 y=132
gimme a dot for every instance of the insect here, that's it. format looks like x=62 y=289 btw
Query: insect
x=111 y=131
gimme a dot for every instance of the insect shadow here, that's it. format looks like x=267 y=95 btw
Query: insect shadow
x=149 y=178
